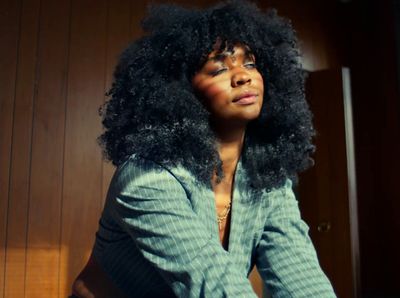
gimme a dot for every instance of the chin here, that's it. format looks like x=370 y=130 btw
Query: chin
x=249 y=115
x=245 y=115
x=244 y=118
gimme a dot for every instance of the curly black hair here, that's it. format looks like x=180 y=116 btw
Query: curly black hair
x=153 y=110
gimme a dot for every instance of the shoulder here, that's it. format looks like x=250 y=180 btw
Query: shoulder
x=282 y=204
x=138 y=174
x=136 y=164
x=280 y=196
x=285 y=190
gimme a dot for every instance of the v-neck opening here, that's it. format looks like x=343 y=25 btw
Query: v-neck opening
x=234 y=202
x=232 y=217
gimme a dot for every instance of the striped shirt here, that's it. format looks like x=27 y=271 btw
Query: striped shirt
x=158 y=237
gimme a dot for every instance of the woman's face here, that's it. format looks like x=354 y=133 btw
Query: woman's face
x=230 y=86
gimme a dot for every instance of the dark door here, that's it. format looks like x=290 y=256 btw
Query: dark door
x=327 y=192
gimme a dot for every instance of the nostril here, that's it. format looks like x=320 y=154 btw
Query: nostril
x=243 y=81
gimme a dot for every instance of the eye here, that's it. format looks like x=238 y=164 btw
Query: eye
x=217 y=72
x=250 y=65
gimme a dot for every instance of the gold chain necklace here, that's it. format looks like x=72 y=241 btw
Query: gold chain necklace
x=221 y=218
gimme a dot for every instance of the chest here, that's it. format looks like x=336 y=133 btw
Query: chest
x=223 y=193
x=223 y=196
x=241 y=230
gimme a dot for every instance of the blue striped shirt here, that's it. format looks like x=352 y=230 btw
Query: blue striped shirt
x=158 y=237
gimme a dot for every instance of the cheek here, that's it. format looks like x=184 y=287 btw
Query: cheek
x=217 y=94
x=259 y=81
x=214 y=92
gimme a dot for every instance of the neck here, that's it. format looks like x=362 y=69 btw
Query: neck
x=230 y=142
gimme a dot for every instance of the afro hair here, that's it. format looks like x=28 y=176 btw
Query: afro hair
x=153 y=110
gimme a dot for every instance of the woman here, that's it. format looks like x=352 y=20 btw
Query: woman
x=208 y=126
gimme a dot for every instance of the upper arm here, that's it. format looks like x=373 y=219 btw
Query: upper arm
x=286 y=257
x=152 y=206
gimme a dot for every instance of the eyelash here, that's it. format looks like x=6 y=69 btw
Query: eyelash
x=252 y=64
x=219 y=71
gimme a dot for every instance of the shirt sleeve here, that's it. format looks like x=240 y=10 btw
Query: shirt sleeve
x=153 y=208
x=286 y=258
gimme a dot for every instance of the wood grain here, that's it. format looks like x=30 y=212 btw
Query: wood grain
x=82 y=191
x=118 y=38
x=43 y=239
x=19 y=192
x=9 y=36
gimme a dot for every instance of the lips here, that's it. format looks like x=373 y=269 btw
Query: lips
x=245 y=98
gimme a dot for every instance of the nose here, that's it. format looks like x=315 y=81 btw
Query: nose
x=240 y=78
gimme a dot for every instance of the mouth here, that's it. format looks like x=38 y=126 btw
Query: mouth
x=246 y=98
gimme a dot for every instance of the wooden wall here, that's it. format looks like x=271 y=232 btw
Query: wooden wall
x=57 y=58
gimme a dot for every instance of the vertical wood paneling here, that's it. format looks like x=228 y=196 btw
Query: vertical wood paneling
x=9 y=29
x=118 y=29
x=138 y=11
x=43 y=240
x=82 y=159
x=21 y=152
x=316 y=25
